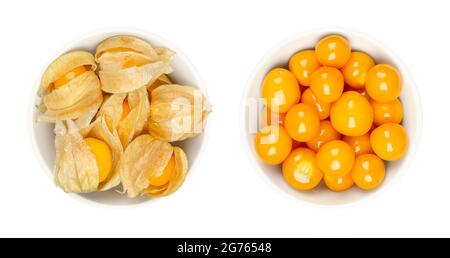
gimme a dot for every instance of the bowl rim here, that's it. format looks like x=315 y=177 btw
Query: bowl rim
x=140 y=33
x=413 y=144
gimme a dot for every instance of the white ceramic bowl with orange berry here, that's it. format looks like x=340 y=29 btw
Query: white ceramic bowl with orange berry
x=254 y=105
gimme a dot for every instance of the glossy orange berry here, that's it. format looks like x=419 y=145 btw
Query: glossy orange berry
x=368 y=171
x=356 y=68
x=303 y=64
x=335 y=158
x=339 y=184
x=333 y=50
x=322 y=108
x=302 y=123
x=360 y=144
x=280 y=90
x=326 y=133
x=103 y=157
x=352 y=114
x=269 y=117
x=273 y=144
x=389 y=141
x=300 y=169
x=387 y=112
x=383 y=83
x=327 y=84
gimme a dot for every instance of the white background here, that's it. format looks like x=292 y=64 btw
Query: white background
x=224 y=197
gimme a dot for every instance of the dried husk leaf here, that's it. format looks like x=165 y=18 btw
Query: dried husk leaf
x=75 y=169
x=100 y=130
x=164 y=53
x=143 y=158
x=177 y=112
x=91 y=102
x=162 y=80
x=85 y=120
x=126 y=43
x=134 y=123
x=176 y=179
x=116 y=61
x=112 y=108
x=73 y=92
x=63 y=65
x=127 y=80
x=128 y=63
x=73 y=99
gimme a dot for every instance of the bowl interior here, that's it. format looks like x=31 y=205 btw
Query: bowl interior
x=278 y=57
x=43 y=136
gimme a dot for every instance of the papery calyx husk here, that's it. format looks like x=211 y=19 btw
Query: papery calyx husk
x=75 y=169
x=77 y=96
x=177 y=112
x=128 y=63
x=146 y=157
x=135 y=121
x=162 y=80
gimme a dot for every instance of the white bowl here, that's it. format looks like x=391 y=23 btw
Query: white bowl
x=278 y=57
x=42 y=136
